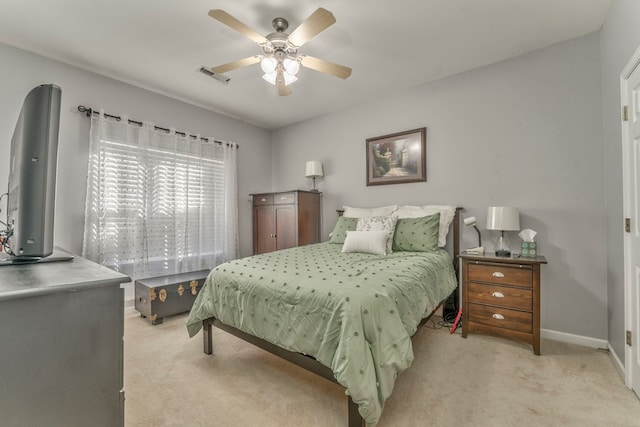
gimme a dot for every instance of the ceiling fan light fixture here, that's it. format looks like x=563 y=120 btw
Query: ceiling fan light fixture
x=288 y=79
x=269 y=65
x=270 y=78
x=291 y=66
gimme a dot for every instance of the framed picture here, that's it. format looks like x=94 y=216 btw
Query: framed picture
x=397 y=158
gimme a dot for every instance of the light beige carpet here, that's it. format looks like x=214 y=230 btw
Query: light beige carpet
x=478 y=381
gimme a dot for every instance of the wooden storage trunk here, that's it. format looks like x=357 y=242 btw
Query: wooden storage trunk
x=158 y=297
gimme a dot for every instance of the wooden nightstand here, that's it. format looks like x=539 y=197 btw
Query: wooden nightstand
x=501 y=297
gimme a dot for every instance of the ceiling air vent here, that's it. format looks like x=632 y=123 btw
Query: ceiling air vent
x=219 y=77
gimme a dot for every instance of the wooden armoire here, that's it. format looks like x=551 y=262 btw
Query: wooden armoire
x=285 y=219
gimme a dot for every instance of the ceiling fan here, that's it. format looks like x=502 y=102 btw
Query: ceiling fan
x=280 y=60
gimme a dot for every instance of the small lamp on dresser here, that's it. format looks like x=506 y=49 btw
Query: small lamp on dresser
x=471 y=222
x=313 y=170
x=503 y=219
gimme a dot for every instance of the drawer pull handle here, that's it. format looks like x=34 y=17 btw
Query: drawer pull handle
x=283 y=198
x=498 y=274
x=498 y=294
x=498 y=316
x=263 y=200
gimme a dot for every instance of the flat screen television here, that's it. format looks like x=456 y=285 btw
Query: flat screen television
x=32 y=177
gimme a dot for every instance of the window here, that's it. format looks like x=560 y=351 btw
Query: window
x=157 y=202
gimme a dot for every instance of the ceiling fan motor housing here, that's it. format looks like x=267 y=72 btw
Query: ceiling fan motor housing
x=280 y=24
x=279 y=47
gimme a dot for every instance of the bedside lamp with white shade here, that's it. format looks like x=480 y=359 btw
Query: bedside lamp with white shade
x=501 y=218
x=313 y=170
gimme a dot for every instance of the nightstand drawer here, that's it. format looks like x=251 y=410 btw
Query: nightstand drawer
x=517 y=276
x=262 y=199
x=501 y=317
x=501 y=295
x=284 y=198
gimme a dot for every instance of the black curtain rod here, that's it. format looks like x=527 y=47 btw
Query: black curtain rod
x=89 y=111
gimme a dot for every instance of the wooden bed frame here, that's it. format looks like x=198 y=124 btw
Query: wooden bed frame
x=308 y=362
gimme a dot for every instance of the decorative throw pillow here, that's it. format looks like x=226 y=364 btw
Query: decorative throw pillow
x=343 y=225
x=417 y=234
x=352 y=212
x=379 y=223
x=447 y=213
x=369 y=242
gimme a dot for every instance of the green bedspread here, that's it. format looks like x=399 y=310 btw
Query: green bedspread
x=353 y=312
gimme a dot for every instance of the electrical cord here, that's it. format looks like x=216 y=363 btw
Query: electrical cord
x=6 y=233
x=4 y=241
x=2 y=222
x=446 y=322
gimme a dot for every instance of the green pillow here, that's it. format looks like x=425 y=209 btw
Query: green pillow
x=417 y=234
x=343 y=225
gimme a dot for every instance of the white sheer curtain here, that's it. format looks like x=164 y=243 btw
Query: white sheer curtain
x=157 y=202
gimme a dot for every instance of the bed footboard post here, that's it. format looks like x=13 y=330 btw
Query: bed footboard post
x=355 y=419
x=207 y=336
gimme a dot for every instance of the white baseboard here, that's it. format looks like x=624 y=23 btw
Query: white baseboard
x=574 y=339
x=617 y=363
x=586 y=342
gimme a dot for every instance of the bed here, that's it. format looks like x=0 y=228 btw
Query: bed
x=348 y=317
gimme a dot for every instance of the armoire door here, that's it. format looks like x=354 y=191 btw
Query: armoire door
x=264 y=237
x=286 y=226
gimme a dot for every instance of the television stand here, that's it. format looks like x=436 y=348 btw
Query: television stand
x=61 y=328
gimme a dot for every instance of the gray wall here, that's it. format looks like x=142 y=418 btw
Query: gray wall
x=525 y=132
x=619 y=39
x=21 y=71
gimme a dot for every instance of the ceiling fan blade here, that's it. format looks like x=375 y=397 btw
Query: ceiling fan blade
x=221 y=69
x=325 y=66
x=283 y=90
x=316 y=23
x=232 y=22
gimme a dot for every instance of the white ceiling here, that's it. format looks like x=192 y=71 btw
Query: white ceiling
x=391 y=45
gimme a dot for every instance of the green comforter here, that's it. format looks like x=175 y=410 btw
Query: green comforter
x=353 y=312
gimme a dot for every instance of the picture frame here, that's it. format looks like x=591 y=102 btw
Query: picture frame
x=397 y=158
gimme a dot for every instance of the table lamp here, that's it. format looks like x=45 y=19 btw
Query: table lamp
x=479 y=250
x=503 y=219
x=313 y=170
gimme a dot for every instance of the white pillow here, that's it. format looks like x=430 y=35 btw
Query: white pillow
x=379 y=223
x=369 y=242
x=447 y=213
x=351 y=212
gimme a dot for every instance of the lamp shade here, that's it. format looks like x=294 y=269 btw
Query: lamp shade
x=313 y=169
x=291 y=66
x=470 y=220
x=503 y=218
x=271 y=78
x=268 y=65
